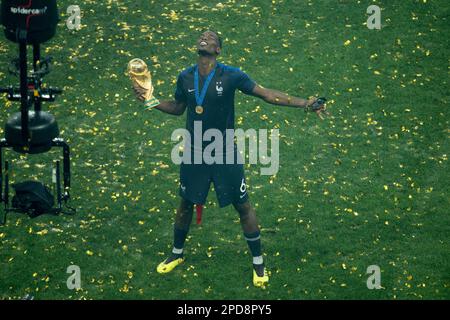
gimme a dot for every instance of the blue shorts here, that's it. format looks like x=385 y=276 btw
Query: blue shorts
x=228 y=179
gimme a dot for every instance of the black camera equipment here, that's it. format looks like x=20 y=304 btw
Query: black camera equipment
x=31 y=131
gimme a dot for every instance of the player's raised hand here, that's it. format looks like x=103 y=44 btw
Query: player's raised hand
x=140 y=92
x=318 y=106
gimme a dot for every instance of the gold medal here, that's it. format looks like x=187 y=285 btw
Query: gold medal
x=199 y=109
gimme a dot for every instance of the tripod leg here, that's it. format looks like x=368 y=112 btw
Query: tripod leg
x=6 y=185
x=3 y=193
x=6 y=197
x=58 y=186
x=24 y=87
x=66 y=167
x=36 y=58
x=1 y=173
x=1 y=184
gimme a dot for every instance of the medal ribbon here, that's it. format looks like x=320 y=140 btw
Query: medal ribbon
x=199 y=97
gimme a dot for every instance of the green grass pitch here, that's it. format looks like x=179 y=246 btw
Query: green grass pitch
x=364 y=187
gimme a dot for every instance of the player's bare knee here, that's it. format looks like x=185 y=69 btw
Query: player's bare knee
x=186 y=206
x=244 y=210
x=184 y=213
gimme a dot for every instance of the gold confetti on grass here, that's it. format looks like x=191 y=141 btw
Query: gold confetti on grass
x=344 y=157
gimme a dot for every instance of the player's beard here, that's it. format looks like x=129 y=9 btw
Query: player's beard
x=204 y=53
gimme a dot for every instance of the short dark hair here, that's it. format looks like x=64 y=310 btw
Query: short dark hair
x=220 y=41
x=218 y=37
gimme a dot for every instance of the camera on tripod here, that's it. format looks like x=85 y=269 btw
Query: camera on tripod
x=31 y=131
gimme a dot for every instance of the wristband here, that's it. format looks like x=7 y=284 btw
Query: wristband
x=151 y=103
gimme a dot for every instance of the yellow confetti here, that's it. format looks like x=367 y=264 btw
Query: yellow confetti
x=173 y=16
x=42 y=232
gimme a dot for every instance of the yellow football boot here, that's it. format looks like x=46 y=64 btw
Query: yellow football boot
x=260 y=282
x=164 y=267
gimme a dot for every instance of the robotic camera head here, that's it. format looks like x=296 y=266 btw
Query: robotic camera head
x=30 y=22
x=31 y=131
x=37 y=17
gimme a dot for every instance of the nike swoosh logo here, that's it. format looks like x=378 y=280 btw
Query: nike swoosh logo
x=243 y=195
x=191 y=90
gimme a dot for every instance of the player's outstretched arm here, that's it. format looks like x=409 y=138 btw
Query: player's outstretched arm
x=173 y=107
x=280 y=98
x=283 y=99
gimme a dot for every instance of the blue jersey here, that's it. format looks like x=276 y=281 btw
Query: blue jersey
x=218 y=105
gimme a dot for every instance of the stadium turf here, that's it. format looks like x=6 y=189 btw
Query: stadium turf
x=367 y=186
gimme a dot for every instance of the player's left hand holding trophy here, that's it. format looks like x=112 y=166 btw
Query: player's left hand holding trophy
x=142 y=82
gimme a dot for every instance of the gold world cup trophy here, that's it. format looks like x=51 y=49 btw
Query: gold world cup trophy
x=141 y=78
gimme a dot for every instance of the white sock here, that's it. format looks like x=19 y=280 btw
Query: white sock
x=258 y=260
x=177 y=251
